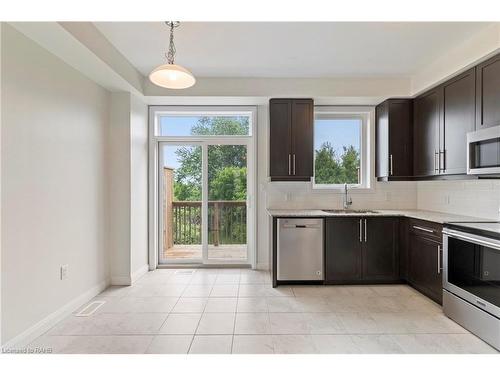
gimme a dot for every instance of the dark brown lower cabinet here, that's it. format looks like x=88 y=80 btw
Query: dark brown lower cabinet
x=361 y=249
x=380 y=249
x=425 y=266
x=343 y=249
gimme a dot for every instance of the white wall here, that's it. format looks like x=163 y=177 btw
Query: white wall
x=138 y=186
x=480 y=198
x=128 y=192
x=119 y=188
x=53 y=200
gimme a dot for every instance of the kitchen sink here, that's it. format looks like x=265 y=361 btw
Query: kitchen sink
x=350 y=211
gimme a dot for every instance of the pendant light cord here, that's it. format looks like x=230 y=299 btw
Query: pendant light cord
x=170 y=55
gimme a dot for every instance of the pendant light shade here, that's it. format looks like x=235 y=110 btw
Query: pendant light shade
x=170 y=75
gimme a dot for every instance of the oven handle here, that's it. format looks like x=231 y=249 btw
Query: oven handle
x=473 y=238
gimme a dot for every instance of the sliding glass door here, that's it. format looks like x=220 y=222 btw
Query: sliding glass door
x=205 y=185
x=181 y=217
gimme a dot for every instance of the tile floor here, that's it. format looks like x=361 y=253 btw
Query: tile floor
x=237 y=311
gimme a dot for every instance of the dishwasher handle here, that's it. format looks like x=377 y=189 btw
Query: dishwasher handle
x=301 y=226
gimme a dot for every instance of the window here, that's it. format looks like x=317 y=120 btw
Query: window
x=340 y=148
x=202 y=182
x=188 y=124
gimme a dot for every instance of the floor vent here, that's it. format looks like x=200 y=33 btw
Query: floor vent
x=184 y=272
x=90 y=308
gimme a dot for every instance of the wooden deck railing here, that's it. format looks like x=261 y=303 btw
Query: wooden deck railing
x=226 y=222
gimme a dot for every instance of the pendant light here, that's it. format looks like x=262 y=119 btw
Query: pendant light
x=170 y=75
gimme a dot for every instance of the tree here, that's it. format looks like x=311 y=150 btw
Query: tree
x=332 y=169
x=187 y=180
x=230 y=183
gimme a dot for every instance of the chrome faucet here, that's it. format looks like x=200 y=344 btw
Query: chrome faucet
x=347 y=198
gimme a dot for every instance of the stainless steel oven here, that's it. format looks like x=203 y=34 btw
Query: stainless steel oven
x=471 y=277
x=483 y=151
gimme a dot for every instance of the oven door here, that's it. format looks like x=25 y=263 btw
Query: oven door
x=472 y=269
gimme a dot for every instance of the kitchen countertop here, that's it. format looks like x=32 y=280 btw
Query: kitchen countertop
x=437 y=217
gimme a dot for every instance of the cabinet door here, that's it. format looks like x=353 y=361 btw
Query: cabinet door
x=280 y=123
x=426 y=133
x=488 y=93
x=302 y=138
x=424 y=267
x=380 y=249
x=459 y=97
x=382 y=140
x=343 y=249
x=400 y=138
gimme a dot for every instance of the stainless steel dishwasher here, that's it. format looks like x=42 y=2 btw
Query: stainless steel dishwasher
x=300 y=249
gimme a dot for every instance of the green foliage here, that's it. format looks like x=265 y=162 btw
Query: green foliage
x=333 y=169
x=233 y=125
x=226 y=163
x=230 y=183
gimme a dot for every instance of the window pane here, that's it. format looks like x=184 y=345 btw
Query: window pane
x=227 y=202
x=182 y=126
x=337 y=145
x=181 y=211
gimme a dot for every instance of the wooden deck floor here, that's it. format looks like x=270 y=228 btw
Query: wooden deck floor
x=225 y=252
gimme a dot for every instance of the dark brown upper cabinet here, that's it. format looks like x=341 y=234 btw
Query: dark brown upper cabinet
x=458 y=119
x=488 y=93
x=394 y=154
x=291 y=139
x=427 y=120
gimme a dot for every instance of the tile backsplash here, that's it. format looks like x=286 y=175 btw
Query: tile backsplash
x=479 y=198
x=301 y=195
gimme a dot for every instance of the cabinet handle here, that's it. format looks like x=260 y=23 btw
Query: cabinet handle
x=289 y=164
x=390 y=164
x=442 y=155
x=360 y=230
x=424 y=229
x=436 y=165
x=366 y=230
x=294 y=164
x=439 y=259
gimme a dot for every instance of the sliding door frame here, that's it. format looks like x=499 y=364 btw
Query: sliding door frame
x=155 y=144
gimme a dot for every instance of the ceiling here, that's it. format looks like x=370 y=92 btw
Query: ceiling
x=290 y=49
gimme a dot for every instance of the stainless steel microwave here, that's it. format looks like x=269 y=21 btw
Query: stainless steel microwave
x=483 y=151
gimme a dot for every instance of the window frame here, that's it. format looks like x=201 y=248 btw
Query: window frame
x=367 y=116
x=187 y=111
x=155 y=140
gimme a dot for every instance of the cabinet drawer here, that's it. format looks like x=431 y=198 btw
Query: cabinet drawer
x=427 y=229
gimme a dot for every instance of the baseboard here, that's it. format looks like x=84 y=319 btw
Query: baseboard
x=263 y=266
x=49 y=321
x=139 y=273
x=121 y=280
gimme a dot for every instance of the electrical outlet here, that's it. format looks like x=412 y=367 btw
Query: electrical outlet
x=64 y=271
